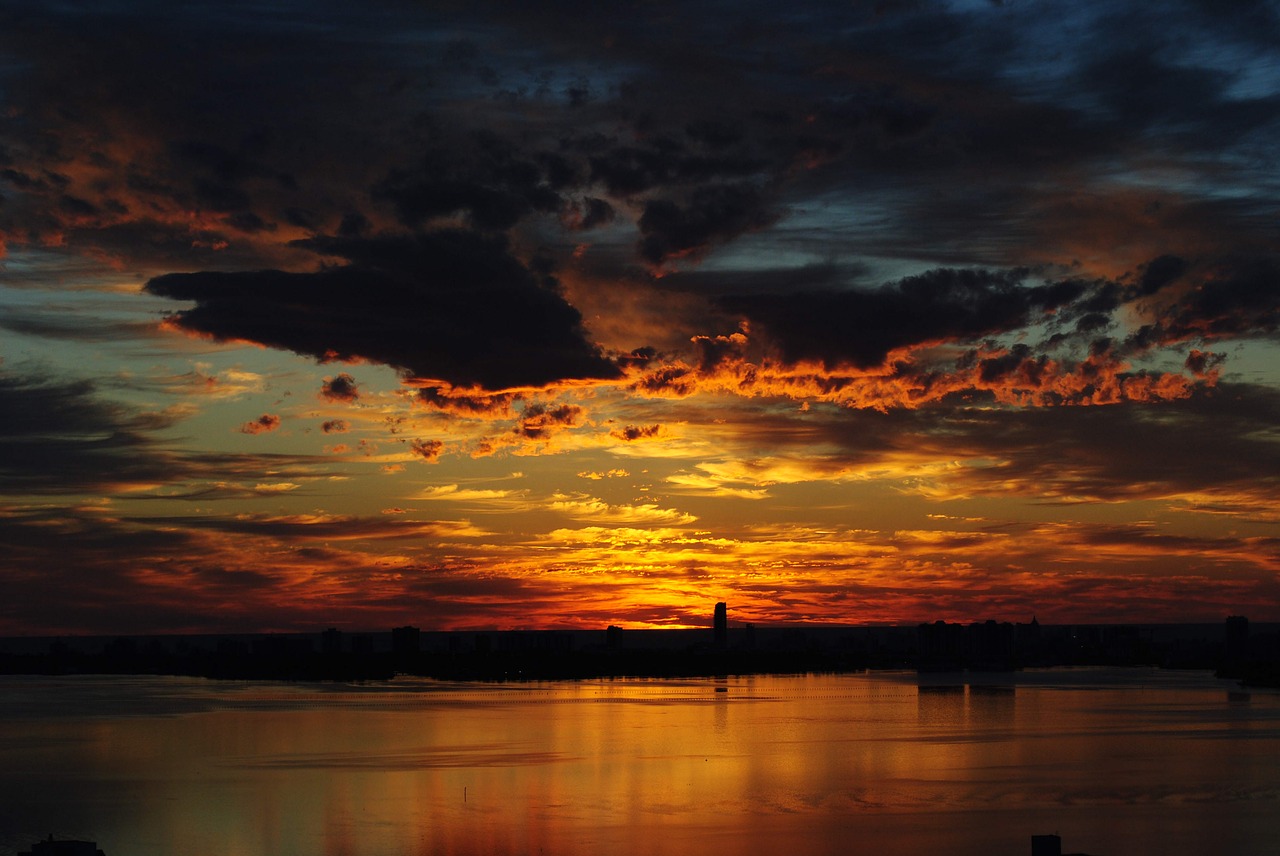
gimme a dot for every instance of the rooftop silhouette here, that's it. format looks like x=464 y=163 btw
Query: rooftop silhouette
x=62 y=847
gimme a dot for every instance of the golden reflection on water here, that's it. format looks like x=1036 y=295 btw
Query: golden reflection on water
x=875 y=764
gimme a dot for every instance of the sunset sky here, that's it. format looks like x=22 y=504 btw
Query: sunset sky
x=470 y=315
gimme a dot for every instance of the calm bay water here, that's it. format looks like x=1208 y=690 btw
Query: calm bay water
x=1116 y=761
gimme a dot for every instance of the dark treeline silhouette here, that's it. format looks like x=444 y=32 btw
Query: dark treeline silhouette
x=1232 y=649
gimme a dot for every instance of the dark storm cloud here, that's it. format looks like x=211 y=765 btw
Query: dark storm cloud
x=1183 y=103
x=711 y=215
x=1204 y=301
x=1160 y=272
x=1217 y=442
x=814 y=277
x=64 y=573
x=483 y=176
x=666 y=162
x=937 y=134
x=66 y=568
x=61 y=437
x=954 y=126
x=63 y=325
x=136 y=118
x=64 y=437
x=941 y=134
x=586 y=214
x=1238 y=299
x=448 y=305
x=862 y=327
x=1213 y=301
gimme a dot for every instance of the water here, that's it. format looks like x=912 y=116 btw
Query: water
x=1116 y=761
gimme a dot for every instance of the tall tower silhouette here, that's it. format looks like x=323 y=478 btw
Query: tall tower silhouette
x=722 y=625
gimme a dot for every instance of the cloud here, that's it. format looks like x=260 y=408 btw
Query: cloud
x=1007 y=336
x=323 y=527
x=62 y=437
x=228 y=384
x=220 y=491
x=1223 y=300
x=632 y=433
x=540 y=421
x=597 y=476
x=335 y=426
x=341 y=387
x=469 y=402
x=427 y=450
x=483 y=177
x=453 y=492
x=449 y=305
x=1210 y=443
x=585 y=214
x=264 y=424
x=1203 y=363
x=1015 y=375
x=65 y=327
x=712 y=214
x=597 y=511
x=861 y=328
x=1210 y=449
x=275 y=488
x=909 y=249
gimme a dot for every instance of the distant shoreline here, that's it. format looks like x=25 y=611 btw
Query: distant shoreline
x=568 y=655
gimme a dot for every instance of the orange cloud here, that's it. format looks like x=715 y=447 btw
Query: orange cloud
x=911 y=379
x=636 y=432
x=341 y=387
x=465 y=402
x=427 y=450
x=597 y=511
x=265 y=423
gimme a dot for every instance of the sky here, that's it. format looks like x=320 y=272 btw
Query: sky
x=470 y=315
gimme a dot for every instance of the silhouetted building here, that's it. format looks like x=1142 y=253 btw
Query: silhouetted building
x=1027 y=640
x=121 y=648
x=536 y=640
x=942 y=645
x=231 y=647
x=270 y=645
x=331 y=641
x=1237 y=638
x=66 y=847
x=722 y=625
x=991 y=644
x=406 y=640
x=613 y=637
x=1046 y=845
